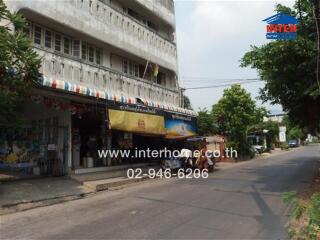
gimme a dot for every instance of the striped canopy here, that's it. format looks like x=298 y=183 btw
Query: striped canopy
x=79 y=89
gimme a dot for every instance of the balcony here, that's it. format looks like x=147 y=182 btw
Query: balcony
x=105 y=24
x=59 y=67
x=161 y=8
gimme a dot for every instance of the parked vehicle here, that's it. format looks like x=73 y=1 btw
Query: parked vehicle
x=293 y=143
x=258 y=149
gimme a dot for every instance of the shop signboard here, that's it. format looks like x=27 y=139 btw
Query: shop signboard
x=148 y=120
x=136 y=119
x=282 y=133
x=180 y=125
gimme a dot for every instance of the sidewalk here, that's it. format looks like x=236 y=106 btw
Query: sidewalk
x=25 y=194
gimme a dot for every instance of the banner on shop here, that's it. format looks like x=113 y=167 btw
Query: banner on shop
x=136 y=122
x=178 y=125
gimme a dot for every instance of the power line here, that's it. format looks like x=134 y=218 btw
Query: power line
x=214 y=79
x=222 y=85
x=203 y=79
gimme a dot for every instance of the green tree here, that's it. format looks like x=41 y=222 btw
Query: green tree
x=293 y=130
x=205 y=122
x=187 y=102
x=289 y=69
x=235 y=112
x=19 y=66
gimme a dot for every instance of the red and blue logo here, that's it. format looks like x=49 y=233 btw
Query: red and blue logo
x=281 y=27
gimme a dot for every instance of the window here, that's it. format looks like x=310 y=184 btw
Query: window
x=98 y=56
x=66 y=45
x=130 y=68
x=76 y=48
x=125 y=66
x=37 y=35
x=48 y=39
x=57 y=42
x=91 y=54
x=84 y=51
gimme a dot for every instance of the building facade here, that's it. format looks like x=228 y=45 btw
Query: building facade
x=109 y=80
x=274 y=118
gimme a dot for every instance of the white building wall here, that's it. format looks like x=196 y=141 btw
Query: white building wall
x=105 y=24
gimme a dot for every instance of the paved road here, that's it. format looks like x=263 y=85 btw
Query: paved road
x=242 y=202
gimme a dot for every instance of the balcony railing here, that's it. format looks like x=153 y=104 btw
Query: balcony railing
x=133 y=28
x=168 y=4
x=167 y=37
x=55 y=66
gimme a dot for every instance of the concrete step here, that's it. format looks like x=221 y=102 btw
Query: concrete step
x=112 y=183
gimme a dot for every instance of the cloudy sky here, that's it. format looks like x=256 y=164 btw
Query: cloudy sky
x=212 y=37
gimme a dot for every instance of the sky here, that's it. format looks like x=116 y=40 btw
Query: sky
x=212 y=37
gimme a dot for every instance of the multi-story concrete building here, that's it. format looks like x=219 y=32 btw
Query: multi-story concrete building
x=102 y=62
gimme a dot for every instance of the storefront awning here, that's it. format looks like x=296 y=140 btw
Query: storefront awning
x=98 y=93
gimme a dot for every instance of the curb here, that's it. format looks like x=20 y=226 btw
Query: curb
x=23 y=206
x=108 y=185
x=256 y=159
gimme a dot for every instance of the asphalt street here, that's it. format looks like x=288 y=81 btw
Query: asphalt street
x=241 y=202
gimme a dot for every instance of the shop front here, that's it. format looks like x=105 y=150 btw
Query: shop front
x=88 y=136
x=123 y=130
x=135 y=128
x=141 y=127
x=115 y=127
x=39 y=146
